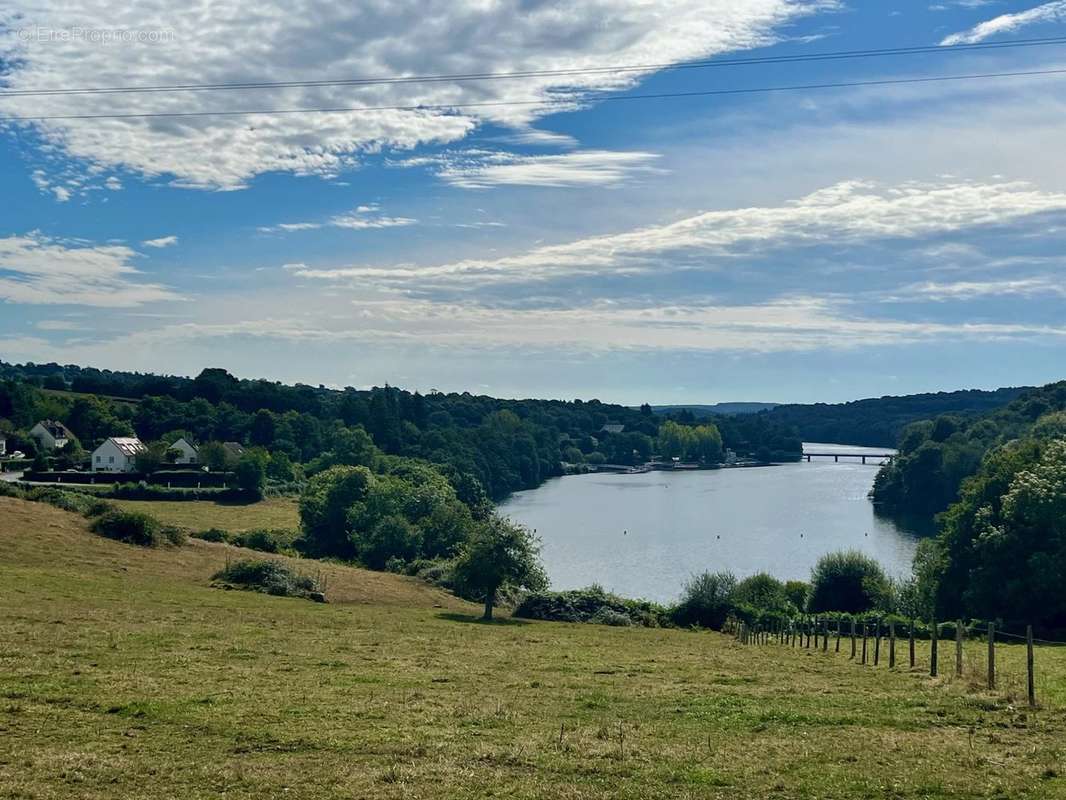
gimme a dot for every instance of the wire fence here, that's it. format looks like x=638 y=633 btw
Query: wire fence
x=987 y=658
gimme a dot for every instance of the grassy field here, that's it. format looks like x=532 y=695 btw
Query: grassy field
x=194 y=515
x=124 y=674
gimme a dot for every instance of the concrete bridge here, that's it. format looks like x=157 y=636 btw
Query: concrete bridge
x=878 y=457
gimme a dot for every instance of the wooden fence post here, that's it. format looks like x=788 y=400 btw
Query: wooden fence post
x=912 y=643
x=825 y=636
x=817 y=623
x=838 y=634
x=852 y=638
x=891 y=645
x=1030 y=666
x=958 y=648
x=807 y=625
x=865 y=634
x=877 y=643
x=933 y=633
x=991 y=656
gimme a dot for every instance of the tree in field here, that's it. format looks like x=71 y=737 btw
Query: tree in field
x=706 y=601
x=500 y=554
x=762 y=592
x=251 y=473
x=848 y=581
x=216 y=457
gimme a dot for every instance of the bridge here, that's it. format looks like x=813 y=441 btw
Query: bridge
x=878 y=457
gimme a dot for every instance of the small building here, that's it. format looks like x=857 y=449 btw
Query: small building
x=612 y=427
x=50 y=434
x=3 y=446
x=234 y=450
x=730 y=456
x=188 y=453
x=117 y=454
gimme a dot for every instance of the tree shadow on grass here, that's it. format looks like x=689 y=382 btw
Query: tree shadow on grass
x=475 y=619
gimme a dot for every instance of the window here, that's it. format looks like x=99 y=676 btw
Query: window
x=99 y=459
x=110 y=459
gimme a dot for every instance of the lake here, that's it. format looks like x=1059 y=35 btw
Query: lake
x=645 y=535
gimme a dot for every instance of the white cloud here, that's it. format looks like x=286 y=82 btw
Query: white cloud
x=309 y=39
x=163 y=241
x=37 y=270
x=364 y=217
x=847 y=213
x=974 y=290
x=790 y=324
x=481 y=169
x=1008 y=23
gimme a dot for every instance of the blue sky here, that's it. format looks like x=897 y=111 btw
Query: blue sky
x=802 y=246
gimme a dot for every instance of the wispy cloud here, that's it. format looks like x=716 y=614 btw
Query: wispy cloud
x=848 y=213
x=41 y=271
x=484 y=169
x=161 y=242
x=1009 y=23
x=364 y=217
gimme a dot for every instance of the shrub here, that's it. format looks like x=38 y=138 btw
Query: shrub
x=270 y=577
x=131 y=527
x=174 y=535
x=272 y=540
x=848 y=581
x=706 y=600
x=762 y=592
x=797 y=592
x=212 y=535
x=10 y=490
x=608 y=616
x=592 y=605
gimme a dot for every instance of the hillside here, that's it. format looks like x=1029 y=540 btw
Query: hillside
x=717 y=408
x=878 y=422
x=126 y=675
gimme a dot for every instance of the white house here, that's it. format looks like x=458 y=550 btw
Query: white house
x=117 y=454
x=3 y=446
x=50 y=435
x=188 y=452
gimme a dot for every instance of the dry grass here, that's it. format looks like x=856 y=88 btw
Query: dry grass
x=123 y=674
x=193 y=515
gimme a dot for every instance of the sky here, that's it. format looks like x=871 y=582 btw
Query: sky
x=539 y=235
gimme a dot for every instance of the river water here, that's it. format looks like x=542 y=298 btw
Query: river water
x=645 y=535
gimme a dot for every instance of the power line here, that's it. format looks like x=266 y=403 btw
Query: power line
x=560 y=73
x=548 y=103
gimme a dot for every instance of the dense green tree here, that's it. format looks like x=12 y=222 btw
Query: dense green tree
x=251 y=471
x=849 y=581
x=500 y=554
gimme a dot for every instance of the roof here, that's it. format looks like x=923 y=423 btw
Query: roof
x=234 y=447
x=56 y=429
x=127 y=445
x=189 y=442
x=613 y=428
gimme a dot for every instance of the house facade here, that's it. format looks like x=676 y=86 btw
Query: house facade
x=188 y=453
x=117 y=454
x=50 y=435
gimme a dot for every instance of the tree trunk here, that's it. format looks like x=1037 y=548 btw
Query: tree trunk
x=490 y=601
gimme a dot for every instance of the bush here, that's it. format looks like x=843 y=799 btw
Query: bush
x=131 y=527
x=797 y=593
x=10 y=490
x=593 y=605
x=212 y=535
x=763 y=593
x=848 y=581
x=270 y=577
x=706 y=600
x=273 y=540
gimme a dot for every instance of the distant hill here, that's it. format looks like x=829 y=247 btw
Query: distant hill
x=877 y=422
x=717 y=408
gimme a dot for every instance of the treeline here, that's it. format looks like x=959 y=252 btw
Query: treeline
x=504 y=445
x=879 y=422
x=938 y=455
